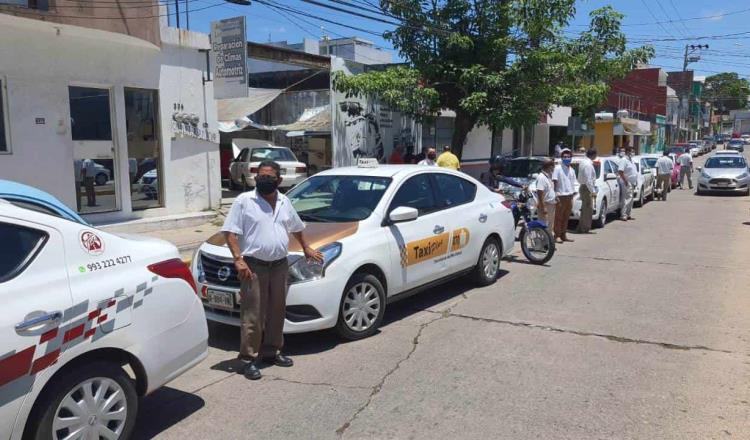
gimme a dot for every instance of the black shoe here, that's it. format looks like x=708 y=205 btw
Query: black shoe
x=252 y=371
x=282 y=361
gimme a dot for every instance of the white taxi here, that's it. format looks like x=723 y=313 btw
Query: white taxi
x=607 y=198
x=80 y=304
x=386 y=232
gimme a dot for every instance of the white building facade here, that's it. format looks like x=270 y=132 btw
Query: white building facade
x=115 y=126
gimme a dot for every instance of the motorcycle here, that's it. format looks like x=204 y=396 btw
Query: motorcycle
x=537 y=243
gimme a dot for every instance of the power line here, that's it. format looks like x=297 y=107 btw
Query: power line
x=648 y=8
x=681 y=20
x=664 y=11
x=306 y=14
x=357 y=14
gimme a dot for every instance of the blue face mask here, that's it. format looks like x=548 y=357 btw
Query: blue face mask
x=567 y=162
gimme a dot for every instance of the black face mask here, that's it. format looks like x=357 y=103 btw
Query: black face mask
x=266 y=184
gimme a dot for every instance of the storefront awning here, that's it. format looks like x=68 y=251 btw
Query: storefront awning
x=316 y=120
x=632 y=127
x=233 y=113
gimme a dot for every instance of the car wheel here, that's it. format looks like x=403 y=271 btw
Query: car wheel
x=362 y=307
x=641 y=199
x=653 y=193
x=488 y=263
x=97 y=400
x=602 y=219
x=101 y=179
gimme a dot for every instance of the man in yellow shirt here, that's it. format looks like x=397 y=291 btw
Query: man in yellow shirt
x=448 y=159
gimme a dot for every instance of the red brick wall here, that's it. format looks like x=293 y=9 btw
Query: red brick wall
x=642 y=85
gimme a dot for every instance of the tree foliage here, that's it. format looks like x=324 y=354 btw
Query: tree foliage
x=502 y=63
x=726 y=91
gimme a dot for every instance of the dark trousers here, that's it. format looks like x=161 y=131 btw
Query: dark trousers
x=88 y=183
x=78 y=195
x=262 y=310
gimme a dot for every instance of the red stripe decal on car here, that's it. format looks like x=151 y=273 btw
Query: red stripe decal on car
x=111 y=302
x=101 y=319
x=45 y=361
x=46 y=336
x=94 y=314
x=89 y=333
x=73 y=333
x=16 y=365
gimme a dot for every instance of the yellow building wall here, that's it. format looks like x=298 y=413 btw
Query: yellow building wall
x=604 y=136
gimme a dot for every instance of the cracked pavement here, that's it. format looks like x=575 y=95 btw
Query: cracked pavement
x=639 y=331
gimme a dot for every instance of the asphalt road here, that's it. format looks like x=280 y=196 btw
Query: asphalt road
x=639 y=331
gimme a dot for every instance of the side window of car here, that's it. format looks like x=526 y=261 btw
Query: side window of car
x=453 y=190
x=417 y=192
x=20 y=246
x=35 y=207
x=243 y=155
x=608 y=167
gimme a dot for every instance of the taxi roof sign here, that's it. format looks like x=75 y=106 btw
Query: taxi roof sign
x=367 y=162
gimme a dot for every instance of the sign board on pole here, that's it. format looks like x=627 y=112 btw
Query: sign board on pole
x=229 y=53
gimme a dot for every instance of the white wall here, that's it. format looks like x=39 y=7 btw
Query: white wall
x=39 y=60
x=478 y=144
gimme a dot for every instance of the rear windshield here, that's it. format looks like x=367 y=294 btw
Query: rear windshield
x=522 y=167
x=275 y=154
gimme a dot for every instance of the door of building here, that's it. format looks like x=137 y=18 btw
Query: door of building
x=94 y=156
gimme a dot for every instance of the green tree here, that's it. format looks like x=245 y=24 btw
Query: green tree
x=726 y=91
x=502 y=63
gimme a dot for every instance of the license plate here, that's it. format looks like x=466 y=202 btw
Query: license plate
x=220 y=300
x=723 y=184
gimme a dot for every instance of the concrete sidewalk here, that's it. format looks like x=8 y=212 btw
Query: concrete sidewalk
x=188 y=239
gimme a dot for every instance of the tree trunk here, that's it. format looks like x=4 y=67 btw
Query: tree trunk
x=461 y=128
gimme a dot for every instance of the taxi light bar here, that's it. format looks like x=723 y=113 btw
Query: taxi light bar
x=367 y=162
x=174 y=268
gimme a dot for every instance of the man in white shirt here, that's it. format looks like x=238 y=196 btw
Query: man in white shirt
x=664 y=168
x=686 y=169
x=586 y=190
x=429 y=159
x=257 y=232
x=628 y=179
x=564 y=178
x=88 y=171
x=546 y=198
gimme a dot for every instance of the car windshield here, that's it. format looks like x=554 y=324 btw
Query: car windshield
x=676 y=150
x=522 y=167
x=597 y=167
x=330 y=199
x=650 y=161
x=275 y=154
x=736 y=141
x=726 y=162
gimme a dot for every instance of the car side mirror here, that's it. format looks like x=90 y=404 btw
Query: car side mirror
x=403 y=214
x=610 y=176
x=699 y=169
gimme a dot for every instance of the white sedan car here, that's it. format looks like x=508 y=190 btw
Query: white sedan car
x=244 y=167
x=607 y=198
x=386 y=232
x=645 y=188
x=80 y=304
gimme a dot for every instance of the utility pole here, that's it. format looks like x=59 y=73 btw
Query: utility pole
x=690 y=49
x=177 y=12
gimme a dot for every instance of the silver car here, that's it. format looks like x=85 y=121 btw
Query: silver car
x=724 y=173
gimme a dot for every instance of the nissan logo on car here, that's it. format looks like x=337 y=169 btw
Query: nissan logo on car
x=223 y=273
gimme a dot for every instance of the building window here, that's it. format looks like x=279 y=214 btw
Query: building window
x=90 y=114
x=42 y=5
x=4 y=143
x=144 y=148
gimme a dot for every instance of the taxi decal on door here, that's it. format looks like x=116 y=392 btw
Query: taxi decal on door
x=80 y=323
x=432 y=248
x=460 y=239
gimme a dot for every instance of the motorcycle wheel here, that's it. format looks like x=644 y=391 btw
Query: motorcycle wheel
x=537 y=245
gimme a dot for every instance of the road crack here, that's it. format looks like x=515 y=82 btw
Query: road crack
x=620 y=339
x=658 y=263
x=321 y=384
x=379 y=386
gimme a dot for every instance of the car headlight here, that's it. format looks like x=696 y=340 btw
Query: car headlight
x=744 y=175
x=301 y=269
x=199 y=275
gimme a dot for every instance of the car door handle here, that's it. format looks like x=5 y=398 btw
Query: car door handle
x=482 y=218
x=45 y=320
x=438 y=229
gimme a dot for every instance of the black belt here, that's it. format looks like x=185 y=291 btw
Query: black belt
x=256 y=262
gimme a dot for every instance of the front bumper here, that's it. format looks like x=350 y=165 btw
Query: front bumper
x=726 y=185
x=310 y=306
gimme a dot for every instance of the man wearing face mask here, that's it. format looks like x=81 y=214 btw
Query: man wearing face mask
x=565 y=180
x=257 y=232
x=628 y=179
x=429 y=160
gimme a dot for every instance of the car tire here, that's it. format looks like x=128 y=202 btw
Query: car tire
x=100 y=179
x=602 y=219
x=641 y=199
x=232 y=185
x=72 y=383
x=360 y=287
x=488 y=263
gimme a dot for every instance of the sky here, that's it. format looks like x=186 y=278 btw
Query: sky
x=666 y=24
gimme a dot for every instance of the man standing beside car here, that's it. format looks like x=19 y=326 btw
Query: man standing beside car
x=686 y=169
x=257 y=232
x=586 y=191
x=564 y=178
x=664 y=167
x=628 y=179
x=546 y=198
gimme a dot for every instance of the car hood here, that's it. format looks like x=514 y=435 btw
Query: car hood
x=316 y=235
x=729 y=173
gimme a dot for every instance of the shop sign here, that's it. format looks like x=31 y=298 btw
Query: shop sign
x=229 y=57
